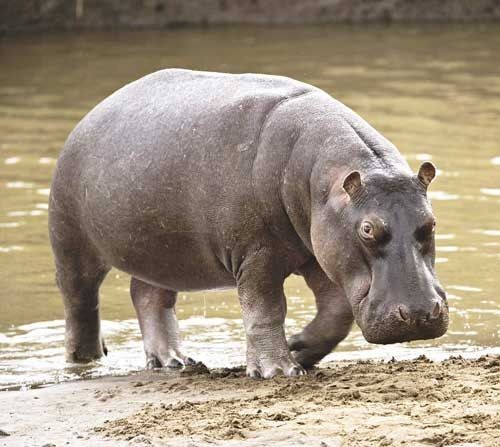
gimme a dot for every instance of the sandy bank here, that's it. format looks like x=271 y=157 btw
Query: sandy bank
x=413 y=403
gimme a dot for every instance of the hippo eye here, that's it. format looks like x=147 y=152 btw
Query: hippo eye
x=367 y=231
x=425 y=232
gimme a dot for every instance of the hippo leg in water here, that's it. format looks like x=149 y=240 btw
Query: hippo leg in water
x=79 y=274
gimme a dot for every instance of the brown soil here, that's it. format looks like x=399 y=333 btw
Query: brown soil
x=413 y=403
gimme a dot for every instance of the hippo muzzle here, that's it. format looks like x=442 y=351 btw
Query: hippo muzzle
x=385 y=323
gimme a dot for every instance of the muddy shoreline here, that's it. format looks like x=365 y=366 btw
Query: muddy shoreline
x=407 y=403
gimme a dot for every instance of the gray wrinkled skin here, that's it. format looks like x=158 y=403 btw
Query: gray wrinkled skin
x=191 y=180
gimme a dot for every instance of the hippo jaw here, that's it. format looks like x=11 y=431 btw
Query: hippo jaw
x=396 y=331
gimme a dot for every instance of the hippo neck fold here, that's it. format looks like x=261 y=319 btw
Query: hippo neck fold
x=331 y=142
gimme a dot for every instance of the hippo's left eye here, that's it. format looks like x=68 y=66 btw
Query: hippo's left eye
x=425 y=232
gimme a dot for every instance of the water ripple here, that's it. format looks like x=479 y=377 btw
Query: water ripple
x=491 y=191
x=442 y=195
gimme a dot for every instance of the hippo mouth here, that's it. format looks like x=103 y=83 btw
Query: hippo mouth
x=358 y=303
x=390 y=327
x=394 y=331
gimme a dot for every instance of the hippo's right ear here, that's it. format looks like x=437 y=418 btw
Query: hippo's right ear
x=352 y=183
x=426 y=173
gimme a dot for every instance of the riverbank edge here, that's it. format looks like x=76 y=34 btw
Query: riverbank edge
x=53 y=15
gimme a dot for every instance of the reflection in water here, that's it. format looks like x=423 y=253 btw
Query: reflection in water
x=432 y=90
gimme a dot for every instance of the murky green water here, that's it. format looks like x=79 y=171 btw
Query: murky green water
x=434 y=91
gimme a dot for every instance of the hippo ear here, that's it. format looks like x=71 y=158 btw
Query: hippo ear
x=352 y=183
x=426 y=173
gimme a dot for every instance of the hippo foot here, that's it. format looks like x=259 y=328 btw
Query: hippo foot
x=85 y=353
x=269 y=369
x=172 y=360
x=307 y=358
x=308 y=352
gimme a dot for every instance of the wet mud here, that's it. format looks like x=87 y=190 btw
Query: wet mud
x=364 y=404
x=407 y=403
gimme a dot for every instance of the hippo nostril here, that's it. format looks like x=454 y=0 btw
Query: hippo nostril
x=404 y=313
x=437 y=310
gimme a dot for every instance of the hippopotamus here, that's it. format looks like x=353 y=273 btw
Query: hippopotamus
x=190 y=180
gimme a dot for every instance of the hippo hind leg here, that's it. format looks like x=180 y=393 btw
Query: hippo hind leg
x=79 y=274
x=155 y=309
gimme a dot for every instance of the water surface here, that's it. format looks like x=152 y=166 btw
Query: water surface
x=433 y=90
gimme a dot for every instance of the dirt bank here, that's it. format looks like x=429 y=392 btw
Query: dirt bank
x=16 y=15
x=413 y=403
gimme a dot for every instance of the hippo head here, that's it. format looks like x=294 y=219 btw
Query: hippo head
x=374 y=235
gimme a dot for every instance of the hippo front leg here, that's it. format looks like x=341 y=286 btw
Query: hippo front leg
x=260 y=290
x=331 y=324
x=155 y=309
